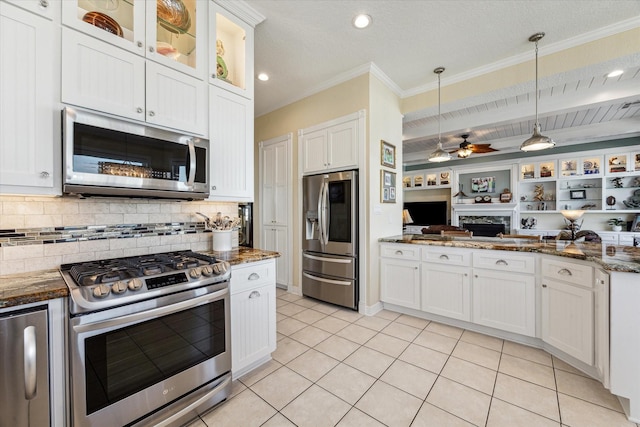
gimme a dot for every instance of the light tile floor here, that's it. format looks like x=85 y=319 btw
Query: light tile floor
x=335 y=367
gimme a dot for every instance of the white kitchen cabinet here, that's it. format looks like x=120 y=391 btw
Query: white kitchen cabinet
x=102 y=77
x=231 y=146
x=602 y=326
x=253 y=315
x=331 y=148
x=568 y=308
x=175 y=41
x=537 y=170
x=44 y=8
x=29 y=108
x=446 y=282
x=505 y=301
x=400 y=275
x=581 y=166
x=275 y=184
x=274 y=238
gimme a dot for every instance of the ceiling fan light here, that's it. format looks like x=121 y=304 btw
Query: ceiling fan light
x=537 y=141
x=439 y=155
x=463 y=153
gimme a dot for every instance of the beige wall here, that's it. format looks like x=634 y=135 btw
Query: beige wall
x=605 y=49
x=337 y=101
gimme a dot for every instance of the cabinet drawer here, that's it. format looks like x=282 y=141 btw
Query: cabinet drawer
x=569 y=272
x=627 y=239
x=447 y=256
x=400 y=251
x=504 y=261
x=249 y=276
x=609 y=238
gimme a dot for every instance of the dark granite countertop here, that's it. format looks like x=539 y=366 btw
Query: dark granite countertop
x=35 y=286
x=610 y=257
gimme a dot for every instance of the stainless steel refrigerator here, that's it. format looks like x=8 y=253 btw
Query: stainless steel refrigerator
x=330 y=238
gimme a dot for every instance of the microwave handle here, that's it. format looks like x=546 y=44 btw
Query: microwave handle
x=192 y=164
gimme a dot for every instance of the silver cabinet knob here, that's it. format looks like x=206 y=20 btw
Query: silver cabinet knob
x=139 y=110
x=151 y=49
x=44 y=3
x=139 y=44
x=544 y=286
x=213 y=187
x=151 y=113
x=44 y=174
x=213 y=76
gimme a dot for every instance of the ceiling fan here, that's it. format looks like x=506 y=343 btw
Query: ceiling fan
x=466 y=148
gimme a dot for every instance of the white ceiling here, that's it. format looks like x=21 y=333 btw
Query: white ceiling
x=308 y=45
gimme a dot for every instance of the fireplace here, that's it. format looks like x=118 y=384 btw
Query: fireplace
x=488 y=230
x=488 y=220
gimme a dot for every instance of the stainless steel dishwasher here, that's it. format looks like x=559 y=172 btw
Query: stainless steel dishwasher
x=24 y=368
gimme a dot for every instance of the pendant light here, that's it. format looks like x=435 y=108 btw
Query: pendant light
x=439 y=155
x=537 y=140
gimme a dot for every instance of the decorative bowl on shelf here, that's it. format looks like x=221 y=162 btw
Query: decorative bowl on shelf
x=173 y=16
x=103 y=22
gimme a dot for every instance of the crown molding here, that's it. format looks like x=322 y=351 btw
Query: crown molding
x=243 y=11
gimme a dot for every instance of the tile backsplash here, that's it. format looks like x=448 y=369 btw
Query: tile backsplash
x=39 y=233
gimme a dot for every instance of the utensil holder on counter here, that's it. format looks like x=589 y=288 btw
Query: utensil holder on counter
x=221 y=240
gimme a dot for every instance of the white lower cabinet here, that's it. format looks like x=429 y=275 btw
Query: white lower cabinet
x=274 y=238
x=446 y=282
x=253 y=315
x=568 y=308
x=400 y=275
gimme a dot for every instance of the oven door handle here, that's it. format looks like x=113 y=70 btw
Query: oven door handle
x=148 y=314
x=180 y=413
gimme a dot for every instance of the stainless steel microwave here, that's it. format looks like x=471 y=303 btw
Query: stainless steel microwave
x=108 y=156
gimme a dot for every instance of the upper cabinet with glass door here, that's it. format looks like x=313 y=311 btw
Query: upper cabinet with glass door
x=590 y=166
x=171 y=32
x=538 y=170
x=230 y=51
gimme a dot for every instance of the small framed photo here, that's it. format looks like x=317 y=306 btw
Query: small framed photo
x=418 y=181
x=387 y=186
x=387 y=154
x=635 y=225
x=577 y=194
x=407 y=182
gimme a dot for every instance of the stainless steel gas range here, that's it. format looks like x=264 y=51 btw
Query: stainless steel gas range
x=149 y=340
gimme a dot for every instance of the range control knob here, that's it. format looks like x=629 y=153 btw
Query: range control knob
x=220 y=267
x=194 y=273
x=135 y=284
x=207 y=270
x=119 y=287
x=101 y=291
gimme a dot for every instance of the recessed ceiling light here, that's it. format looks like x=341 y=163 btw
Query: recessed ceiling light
x=362 y=21
x=615 y=73
x=263 y=77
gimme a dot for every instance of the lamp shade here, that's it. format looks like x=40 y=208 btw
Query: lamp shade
x=537 y=141
x=406 y=217
x=439 y=155
x=572 y=215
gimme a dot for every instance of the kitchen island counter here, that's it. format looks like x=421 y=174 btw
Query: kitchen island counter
x=242 y=255
x=610 y=257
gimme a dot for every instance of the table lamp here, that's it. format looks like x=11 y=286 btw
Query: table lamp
x=406 y=218
x=572 y=216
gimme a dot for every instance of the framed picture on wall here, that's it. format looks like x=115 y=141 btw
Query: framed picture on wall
x=577 y=194
x=387 y=186
x=635 y=225
x=387 y=154
x=486 y=184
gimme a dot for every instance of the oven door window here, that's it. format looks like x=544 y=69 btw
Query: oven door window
x=125 y=361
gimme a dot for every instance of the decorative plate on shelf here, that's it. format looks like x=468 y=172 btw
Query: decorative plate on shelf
x=587 y=164
x=103 y=22
x=173 y=16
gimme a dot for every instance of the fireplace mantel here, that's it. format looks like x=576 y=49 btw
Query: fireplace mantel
x=484 y=207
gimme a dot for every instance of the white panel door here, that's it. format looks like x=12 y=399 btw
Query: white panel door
x=275 y=184
x=314 y=151
x=342 y=142
x=274 y=238
x=505 y=301
x=27 y=104
x=102 y=77
x=253 y=325
x=231 y=146
x=446 y=290
x=400 y=282
x=176 y=100
x=567 y=319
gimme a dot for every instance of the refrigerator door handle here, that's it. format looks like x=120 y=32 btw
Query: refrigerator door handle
x=335 y=260
x=323 y=280
x=326 y=216
x=319 y=222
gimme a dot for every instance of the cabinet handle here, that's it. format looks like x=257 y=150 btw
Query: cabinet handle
x=399 y=252
x=139 y=44
x=254 y=276
x=501 y=262
x=30 y=368
x=565 y=272
x=443 y=256
x=475 y=275
x=152 y=113
x=254 y=294
x=151 y=49
x=466 y=274
x=44 y=3
x=213 y=76
x=139 y=110
x=44 y=174
x=544 y=286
